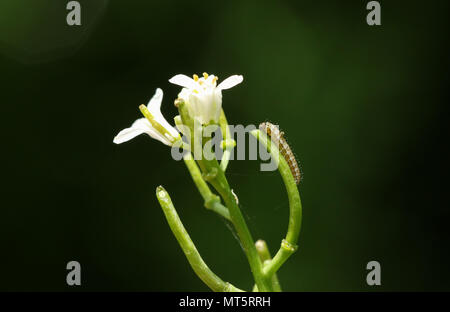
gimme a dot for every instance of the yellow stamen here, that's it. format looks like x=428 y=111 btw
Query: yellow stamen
x=195 y=91
x=195 y=77
x=215 y=79
x=205 y=75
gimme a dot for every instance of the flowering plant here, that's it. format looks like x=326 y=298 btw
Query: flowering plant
x=200 y=106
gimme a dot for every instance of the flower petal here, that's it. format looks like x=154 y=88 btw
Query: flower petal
x=127 y=134
x=155 y=102
x=184 y=81
x=154 y=107
x=147 y=127
x=230 y=82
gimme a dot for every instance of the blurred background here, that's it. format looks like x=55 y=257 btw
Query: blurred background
x=362 y=106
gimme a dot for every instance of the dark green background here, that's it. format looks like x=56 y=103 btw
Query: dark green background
x=362 y=107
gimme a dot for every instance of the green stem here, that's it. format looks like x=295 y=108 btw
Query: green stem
x=264 y=255
x=217 y=178
x=213 y=173
x=212 y=201
x=285 y=251
x=195 y=260
x=289 y=244
x=227 y=145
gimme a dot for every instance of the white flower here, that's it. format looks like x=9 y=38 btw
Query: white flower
x=155 y=125
x=201 y=95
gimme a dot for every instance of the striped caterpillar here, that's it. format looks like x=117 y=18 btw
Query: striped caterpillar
x=277 y=137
